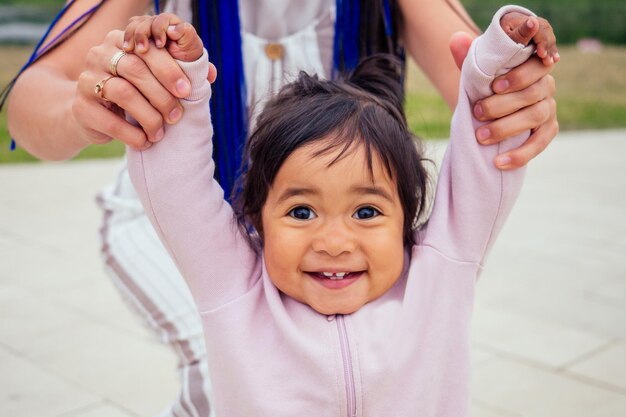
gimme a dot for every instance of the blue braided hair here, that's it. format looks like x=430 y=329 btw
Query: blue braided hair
x=364 y=28
x=217 y=23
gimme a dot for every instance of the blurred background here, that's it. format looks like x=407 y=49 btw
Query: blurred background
x=550 y=323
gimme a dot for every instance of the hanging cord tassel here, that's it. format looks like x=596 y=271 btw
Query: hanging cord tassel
x=464 y=17
x=40 y=50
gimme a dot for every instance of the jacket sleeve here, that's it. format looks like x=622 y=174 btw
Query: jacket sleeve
x=473 y=197
x=174 y=181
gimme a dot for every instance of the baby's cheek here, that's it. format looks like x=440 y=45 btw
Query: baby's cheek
x=273 y=262
x=280 y=248
x=388 y=257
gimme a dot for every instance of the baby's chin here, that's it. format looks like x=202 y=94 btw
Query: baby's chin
x=330 y=309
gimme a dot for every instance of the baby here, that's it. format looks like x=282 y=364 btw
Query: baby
x=318 y=294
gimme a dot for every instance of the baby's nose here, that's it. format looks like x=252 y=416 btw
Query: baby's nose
x=334 y=239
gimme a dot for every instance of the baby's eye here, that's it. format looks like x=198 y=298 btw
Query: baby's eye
x=302 y=213
x=366 y=212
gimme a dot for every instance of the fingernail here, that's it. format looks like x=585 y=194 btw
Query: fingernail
x=478 y=111
x=175 y=115
x=171 y=28
x=530 y=23
x=159 y=135
x=501 y=85
x=503 y=160
x=141 y=47
x=557 y=56
x=158 y=43
x=483 y=134
x=182 y=87
x=125 y=46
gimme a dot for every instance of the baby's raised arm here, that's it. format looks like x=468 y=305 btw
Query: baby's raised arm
x=174 y=180
x=473 y=197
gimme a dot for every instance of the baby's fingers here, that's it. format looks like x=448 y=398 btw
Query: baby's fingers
x=187 y=45
x=137 y=34
x=525 y=32
x=143 y=33
x=129 y=33
x=160 y=27
x=545 y=40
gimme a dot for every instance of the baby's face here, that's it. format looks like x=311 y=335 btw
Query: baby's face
x=333 y=235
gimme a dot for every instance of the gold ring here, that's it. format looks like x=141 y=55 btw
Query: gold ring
x=99 y=88
x=115 y=59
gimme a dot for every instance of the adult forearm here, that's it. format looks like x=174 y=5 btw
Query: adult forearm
x=40 y=115
x=428 y=27
x=42 y=106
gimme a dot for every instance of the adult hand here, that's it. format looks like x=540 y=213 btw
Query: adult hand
x=147 y=87
x=523 y=99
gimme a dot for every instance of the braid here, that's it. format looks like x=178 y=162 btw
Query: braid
x=217 y=23
x=364 y=28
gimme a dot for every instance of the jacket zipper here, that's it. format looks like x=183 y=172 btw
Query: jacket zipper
x=347 y=365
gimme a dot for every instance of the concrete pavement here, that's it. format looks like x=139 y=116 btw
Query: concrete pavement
x=549 y=330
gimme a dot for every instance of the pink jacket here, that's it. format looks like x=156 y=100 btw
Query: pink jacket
x=404 y=354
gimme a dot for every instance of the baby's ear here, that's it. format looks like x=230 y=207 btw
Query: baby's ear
x=521 y=28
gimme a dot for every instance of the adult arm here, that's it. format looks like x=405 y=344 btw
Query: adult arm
x=174 y=181
x=473 y=197
x=526 y=103
x=53 y=111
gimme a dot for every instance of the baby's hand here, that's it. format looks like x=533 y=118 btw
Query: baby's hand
x=524 y=29
x=166 y=31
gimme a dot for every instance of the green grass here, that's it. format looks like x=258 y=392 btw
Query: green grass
x=571 y=19
x=428 y=115
x=591 y=94
x=47 y=3
x=588 y=114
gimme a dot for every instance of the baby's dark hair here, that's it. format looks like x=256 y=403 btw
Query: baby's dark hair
x=362 y=109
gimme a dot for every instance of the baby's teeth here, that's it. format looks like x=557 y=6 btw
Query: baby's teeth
x=334 y=275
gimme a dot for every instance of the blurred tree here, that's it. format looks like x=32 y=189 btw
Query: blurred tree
x=572 y=19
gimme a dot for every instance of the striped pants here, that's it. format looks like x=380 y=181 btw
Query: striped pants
x=150 y=283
